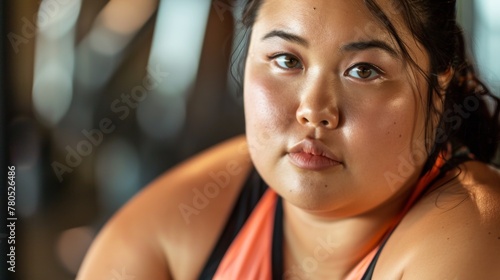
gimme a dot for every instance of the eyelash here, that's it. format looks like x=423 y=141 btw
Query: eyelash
x=369 y=66
x=276 y=56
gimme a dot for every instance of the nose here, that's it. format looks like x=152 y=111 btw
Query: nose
x=318 y=108
x=317 y=118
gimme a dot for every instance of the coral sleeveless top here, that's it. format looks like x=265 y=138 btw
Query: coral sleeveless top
x=252 y=246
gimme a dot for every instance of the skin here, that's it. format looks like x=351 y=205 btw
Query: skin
x=290 y=104
x=371 y=125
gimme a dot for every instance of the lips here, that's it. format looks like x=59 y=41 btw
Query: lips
x=312 y=154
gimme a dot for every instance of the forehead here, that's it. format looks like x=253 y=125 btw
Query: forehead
x=321 y=21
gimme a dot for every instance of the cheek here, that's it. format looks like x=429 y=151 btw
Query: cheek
x=269 y=106
x=378 y=130
x=385 y=132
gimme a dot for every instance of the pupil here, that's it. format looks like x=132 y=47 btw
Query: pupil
x=364 y=72
x=290 y=62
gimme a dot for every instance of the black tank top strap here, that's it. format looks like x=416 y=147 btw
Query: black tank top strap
x=277 y=246
x=248 y=198
x=371 y=268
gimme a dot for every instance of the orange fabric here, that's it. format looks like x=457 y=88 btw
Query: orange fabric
x=422 y=184
x=363 y=265
x=249 y=256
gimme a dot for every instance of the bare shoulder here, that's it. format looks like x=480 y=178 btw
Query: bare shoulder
x=452 y=233
x=169 y=228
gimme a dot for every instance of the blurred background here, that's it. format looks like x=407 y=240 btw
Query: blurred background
x=99 y=97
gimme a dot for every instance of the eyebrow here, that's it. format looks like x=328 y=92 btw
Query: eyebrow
x=354 y=46
x=371 y=44
x=287 y=37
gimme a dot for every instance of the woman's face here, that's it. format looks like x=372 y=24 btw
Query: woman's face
x=334 y=114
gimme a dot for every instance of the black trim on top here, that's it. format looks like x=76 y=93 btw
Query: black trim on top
x=277 y=246
x=371 y=268
x=248 y=198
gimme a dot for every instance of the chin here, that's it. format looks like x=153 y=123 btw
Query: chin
x=311 y=195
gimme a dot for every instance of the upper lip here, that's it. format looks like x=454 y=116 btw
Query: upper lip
x=314 y=147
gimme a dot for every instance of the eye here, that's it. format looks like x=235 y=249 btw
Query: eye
x=363 y=71
x=287 y=61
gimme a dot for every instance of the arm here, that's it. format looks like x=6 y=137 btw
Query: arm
x=461 y=239
x=124 y=250
x=151 y=238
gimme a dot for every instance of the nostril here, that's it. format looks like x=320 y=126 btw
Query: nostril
x=325 y=123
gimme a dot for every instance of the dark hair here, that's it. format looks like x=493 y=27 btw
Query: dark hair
x=465 y=119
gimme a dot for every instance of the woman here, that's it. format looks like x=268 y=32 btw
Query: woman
x=368 y=125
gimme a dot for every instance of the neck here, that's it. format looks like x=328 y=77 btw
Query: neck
x=317 y=246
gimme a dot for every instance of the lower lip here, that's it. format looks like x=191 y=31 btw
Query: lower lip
x=311 y=162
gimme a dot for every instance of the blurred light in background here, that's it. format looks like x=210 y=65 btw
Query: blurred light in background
x=54 y=59
x=57 y=17
x=99 y=53
x=118 y=23
x=177 y=42
x=53 y=88
x=161 y=116
x=117 y=173
x=176 y=49
x=72 y=245
x=487 y=41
